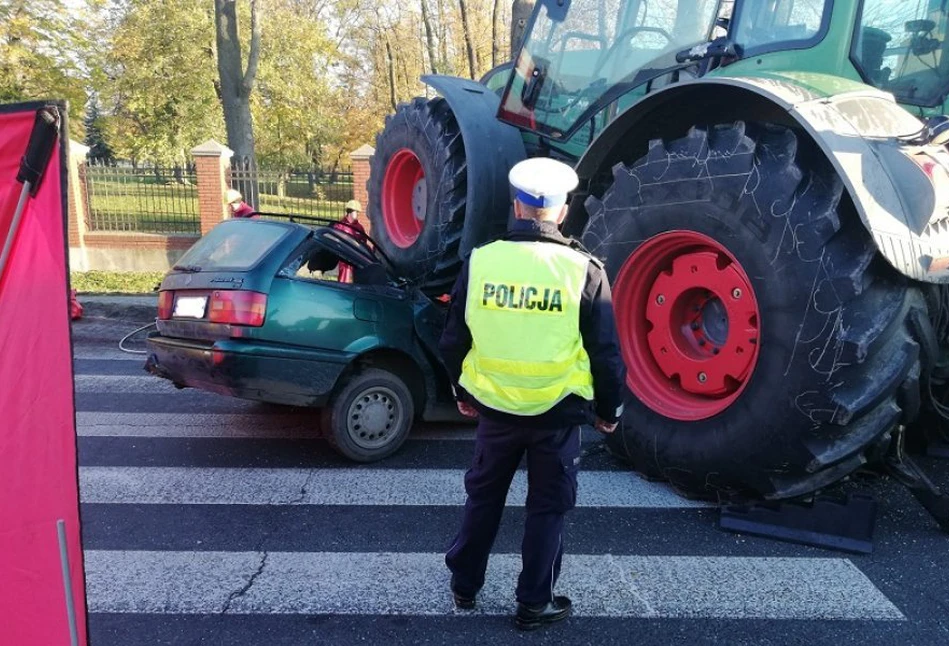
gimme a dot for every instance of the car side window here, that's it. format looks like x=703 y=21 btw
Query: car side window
x=311 y=263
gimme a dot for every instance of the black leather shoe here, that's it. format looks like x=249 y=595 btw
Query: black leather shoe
x=532 y=617
x=462 y=600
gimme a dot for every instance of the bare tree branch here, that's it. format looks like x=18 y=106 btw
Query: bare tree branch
x=254 y=57
x=495 y=46
x=469 y=46
x=391 y=66
x=429 y=36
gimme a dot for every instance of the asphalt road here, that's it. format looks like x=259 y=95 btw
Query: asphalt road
x=208 y=520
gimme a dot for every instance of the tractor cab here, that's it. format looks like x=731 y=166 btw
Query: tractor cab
x=579 y=56
x=583 y=62
x=901 y=47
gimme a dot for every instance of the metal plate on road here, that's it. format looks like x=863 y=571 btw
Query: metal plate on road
x=191 y=307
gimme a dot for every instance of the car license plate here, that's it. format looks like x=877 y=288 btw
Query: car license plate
x=191 y=306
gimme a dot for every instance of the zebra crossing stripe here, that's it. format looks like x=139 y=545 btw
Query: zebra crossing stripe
x=109 y=352
x=358 y=486
x=123 y=384
x=299 y=425
x=417 y=584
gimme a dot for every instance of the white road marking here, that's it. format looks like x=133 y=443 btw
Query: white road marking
x=124 y=384
x=417 y=584
x=358 y=486
x=276 y=425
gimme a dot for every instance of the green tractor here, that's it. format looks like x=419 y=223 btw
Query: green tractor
x=766 y=183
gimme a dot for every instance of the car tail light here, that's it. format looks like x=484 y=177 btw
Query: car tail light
x=238 y=308
x=166 y=300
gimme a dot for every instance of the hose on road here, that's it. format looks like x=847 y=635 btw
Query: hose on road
x=130 y=335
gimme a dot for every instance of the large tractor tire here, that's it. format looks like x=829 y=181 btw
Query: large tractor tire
x=417 y=189
x=770 y=350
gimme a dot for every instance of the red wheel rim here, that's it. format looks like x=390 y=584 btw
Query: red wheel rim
x=404 y=198
x=688 y=322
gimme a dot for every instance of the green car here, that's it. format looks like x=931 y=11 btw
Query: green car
x=249 y=312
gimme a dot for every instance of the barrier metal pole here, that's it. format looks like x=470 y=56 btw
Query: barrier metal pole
x=17 y=215
x=67 y=583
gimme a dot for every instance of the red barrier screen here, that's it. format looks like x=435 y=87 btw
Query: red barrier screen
x=38 y=469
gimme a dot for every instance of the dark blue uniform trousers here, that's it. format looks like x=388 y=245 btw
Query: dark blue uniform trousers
x=553 y=459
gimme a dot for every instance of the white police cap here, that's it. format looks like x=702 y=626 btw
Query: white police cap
x=542 y=182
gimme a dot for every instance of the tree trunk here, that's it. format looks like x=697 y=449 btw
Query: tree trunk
x=429 y=37
x=520 y=14
x=495 y=45
x=391 y=65
x=237 y=83
x=469 y=46
x=445 y=64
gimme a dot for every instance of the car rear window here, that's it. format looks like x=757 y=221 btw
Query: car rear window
x=233 y=245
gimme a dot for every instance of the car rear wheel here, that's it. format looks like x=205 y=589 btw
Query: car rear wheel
x=370 y=416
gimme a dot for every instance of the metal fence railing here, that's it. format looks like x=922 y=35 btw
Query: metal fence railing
x=313 y=192
x=123 y=198
x=141 y=200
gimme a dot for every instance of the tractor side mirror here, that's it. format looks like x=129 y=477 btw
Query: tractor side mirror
x=557 y=9
x=718 y=48
x=533 y=84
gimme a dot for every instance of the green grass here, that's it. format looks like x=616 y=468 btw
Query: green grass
x=115 y=282
x=153 y=208
x=143 y=208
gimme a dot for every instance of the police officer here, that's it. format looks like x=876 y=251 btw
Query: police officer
x=531 y=346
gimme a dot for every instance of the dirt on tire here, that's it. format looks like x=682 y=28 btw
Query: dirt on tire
x=840 y=360
x=429 y=130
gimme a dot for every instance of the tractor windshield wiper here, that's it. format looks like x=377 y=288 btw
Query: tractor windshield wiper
x=192 y=269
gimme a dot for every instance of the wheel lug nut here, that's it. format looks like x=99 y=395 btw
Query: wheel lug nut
x=703 y=377
x=736 y=293
x=715 y=350
x=660 y=299
x=702 y=342
x=694 y=325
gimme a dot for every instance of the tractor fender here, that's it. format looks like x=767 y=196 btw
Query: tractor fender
x=903 y=203
x=491 y=149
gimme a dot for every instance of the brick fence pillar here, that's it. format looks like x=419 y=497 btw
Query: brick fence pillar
x=212 y=161
x=76 y=201
x=360 y=159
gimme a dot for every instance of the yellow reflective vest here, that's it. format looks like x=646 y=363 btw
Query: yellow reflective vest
x=523 y=310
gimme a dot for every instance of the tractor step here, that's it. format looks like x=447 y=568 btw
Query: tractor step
x=938 y=450
x=927 y=494
x=840 y=524
x=910 y=475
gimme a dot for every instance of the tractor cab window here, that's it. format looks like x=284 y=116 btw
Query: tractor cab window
x=771 y=25
x=581 y=53
x=901 y=47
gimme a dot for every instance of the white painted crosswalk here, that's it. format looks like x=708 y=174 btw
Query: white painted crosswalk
x=602 y=585
x=275 y=425
x=136 y=466
x=123 y=384
x=359 y=487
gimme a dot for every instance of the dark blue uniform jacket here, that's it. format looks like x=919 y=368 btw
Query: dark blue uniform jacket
x=596 y=327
